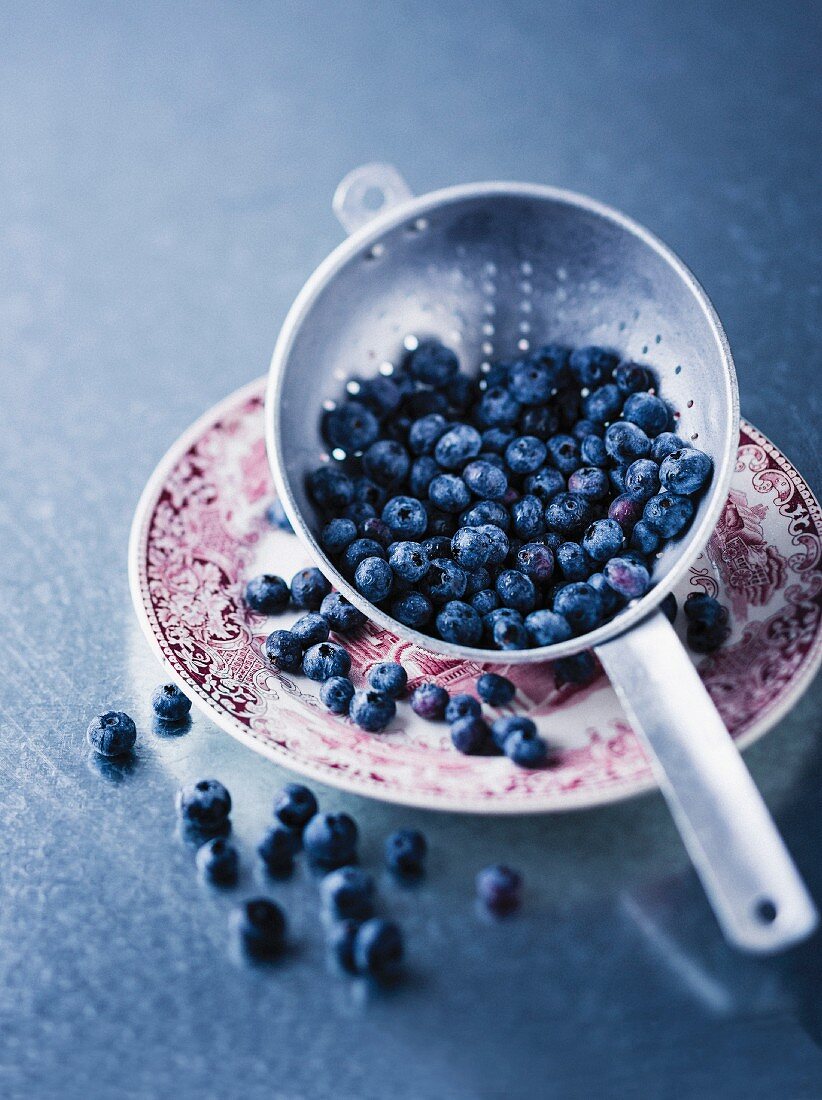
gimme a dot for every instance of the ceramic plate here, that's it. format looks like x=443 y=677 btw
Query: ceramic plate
x=201 y=531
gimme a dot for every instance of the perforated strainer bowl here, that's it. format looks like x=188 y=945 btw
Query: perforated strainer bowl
x=487 y=268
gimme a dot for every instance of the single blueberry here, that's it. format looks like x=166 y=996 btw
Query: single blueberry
x=531 y=381
x=470 y=735
x=497 y=408
x=539 y=420
x=499 y=543
x=583 y=428
x=374 y=528
x=516 y=590
x=471 y=547
x=295 y=805
x=205 y=804
x=665 y=444
x=459 y=623
x=347 y=893
x=547 y=628
x=267 y=594
x=626 y=510
x=412 y=609
x=341 y=615
x=495 y=690
x=603 y=539
x=359 y=550
x=496 y=439
x=372 y=710
x=358 y=511
x=444 y=581
x=506 y=726
x=112 y=734
x=644 y=539
x=350 y=426
x=485 y=601
x=642 y=478
x=308 y=588
x=449 y=493
x=381 y=395
x=525 y=454
x=330 y=488
x=457 y=446
x=507 y=629
x=580 y=669
x=261 y=927
x=406 y=517
x=275 y=514
x=388 y=677
x=568 y=513
x=374 y=579
x=499 y=888
x=564 y=453
x=528 y=517
x=612 y=601
x=486 y=512
x=330 y=840
x=626 y=577
x=626 y=442
x=592 y=451
x=340 y=939
x=408 y=560
x=592 y=366
x=405 y=852
x=429 y=701
x=631 y=377
x=574 y=563
x=476 y=580
x=461 y=393
x=668 y=607
x=462 y=706
x=311 y=628
x=648 y=412
x=526 y=749
x=386 y=462
x=536 y=561
x=701 y=608
x=367 y=491
x=336 y=693
x=325 y=660
x=590 y=482
x=277 y=848
x=685 y=471
x=170 y=704
x=378 y=949
x=284 y=650
x=603 y=404
x=668 y=514
x=485 y=480
x=545 y=484
x=218 y=861
x=580 y=605
x=424 y=433
x=337 y=535
x=432 y=363
x=423 y=472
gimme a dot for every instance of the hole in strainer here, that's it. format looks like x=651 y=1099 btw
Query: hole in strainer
x=765 y=911
x=373 y=198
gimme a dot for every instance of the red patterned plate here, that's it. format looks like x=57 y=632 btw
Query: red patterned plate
x=200 y=531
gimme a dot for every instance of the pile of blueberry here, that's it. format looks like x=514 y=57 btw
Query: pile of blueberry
x=519 y=509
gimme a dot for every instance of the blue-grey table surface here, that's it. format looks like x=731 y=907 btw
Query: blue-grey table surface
x=165 y=181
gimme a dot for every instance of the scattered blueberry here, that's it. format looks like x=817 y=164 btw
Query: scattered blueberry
x=278 y=847
x=311 y=628
x=580 y=669
x=295 y=805
x=499 y=888
x=462 y=706
x=325 y=660
x=341 y=616
x=284 y=650
x=267 y=594
x=526 y=748
x=340 y=938
x=218 y=862
x=389 y=678
x=205 y=804
x=470 y=735
x=308 y=588
x=170 y=704
x=336 y=693
x=378 y=949
x=707 y=628
x=372 y=710
x=261 y=927
x=275 y=514
x=348 y=893
x=405 y=852
x=495 y=690
x=508 y=725
x=112 y=734
x=330 y=840
x=429 y=701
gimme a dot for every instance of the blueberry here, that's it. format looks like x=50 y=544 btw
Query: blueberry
x=568 y=513
x=626 y=511
x=277 y=849
x=325 y=660
x=526 y=749
x=461 y=393
x=462 y=706
x=412 y=609
x=418 y=404
x=545 y=484
x=457 y=446
x=590 y=482
x=626 y=577
x=429 y=701
x=381 y=395
x=359 y=550
x=367 y=491
x=275 y=514
x=218 y=862
x=665 y=444
x=528 y=517
x=516 y=590
x=374 y=579
x=495 y=690
x=580 y=669
x=701 y=608
x=337 y=535
x=330 y=488
x=388 y=677
x=261 y=927
x=531 y=381
x=556 y=357
x=564 y=452
x=372 y=710
x=592 y=366
x=432 y=363
x=351 y=426
x=485 y=513
x=449 y=493
x=547 y=628
x=644 y=539
x=341 y=615
x=536 y=561
x=592 y=450
x=497 y=408
x=340 y=939
x=374 y=528
x=284 y=650
x=603 y=539
x=440 y=523
x=405 y=852
x=603 y=404
x=386 y=462
x=475 y=581
x=499 y=888
x=348 y=893
x=702 y=639
x=508 y=725
x=539 y=420
x=471 y=547
x=408 y=560
x=507 y=629
x=112 y=734
x=668 y=514
x=485 y=480
x=617 y=478
x=205 y=804
x=470 y=735
x=423 y=472
x=311 y=628
x=580 y=605
x=336 y=693
x=170 y=704
x=583 y=428
x=330 y=840
x=295 y=805
x=611 y=600
x=308 y=589
x=499 y=543
x=642 y=479
x=668 y=607
x=267 y=594
x=406 y=517
x=525 y=454
x=648 y=412
x=626 y=442
x=459 y=623
x=685 y=471
x=496 y=439
x=444 y=581
x=574 y=563
x=358 y=511
x=424 y=433
x=631 y=377
x=378 y=949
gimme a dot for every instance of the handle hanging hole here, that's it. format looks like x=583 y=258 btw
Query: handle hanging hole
x=765 y=911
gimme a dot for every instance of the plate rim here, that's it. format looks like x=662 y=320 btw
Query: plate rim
x=571 y=802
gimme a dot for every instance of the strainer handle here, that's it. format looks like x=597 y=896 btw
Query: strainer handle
x=749 y=877
x=368 y=191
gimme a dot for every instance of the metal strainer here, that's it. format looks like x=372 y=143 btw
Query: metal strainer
x=486 y=268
